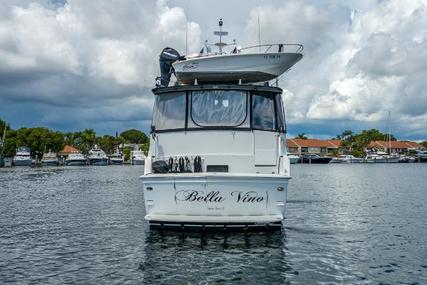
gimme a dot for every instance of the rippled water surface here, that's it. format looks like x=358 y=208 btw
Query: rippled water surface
x=346 y=224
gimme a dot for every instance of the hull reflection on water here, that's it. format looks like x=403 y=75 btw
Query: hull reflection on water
x=207 y=258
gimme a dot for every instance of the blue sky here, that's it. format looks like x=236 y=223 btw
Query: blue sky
x=91 y=64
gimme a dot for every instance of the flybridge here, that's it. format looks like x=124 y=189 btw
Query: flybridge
x=242 y=65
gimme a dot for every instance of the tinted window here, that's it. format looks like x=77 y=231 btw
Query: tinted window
x=169 y=111
x=280 y=113
x=263 y=116
x=219 y=108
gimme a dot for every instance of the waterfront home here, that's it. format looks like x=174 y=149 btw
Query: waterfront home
x=313 y=146
x=394 y=146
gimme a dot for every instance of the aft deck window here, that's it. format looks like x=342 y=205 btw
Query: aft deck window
x=169 y=111
x=263 y=112
x=219 y=108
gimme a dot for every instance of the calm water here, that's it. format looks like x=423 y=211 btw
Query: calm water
x=347 y=224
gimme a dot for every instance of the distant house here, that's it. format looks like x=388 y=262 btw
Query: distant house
x=68 y=149
x=395 y=146
x=313 y=146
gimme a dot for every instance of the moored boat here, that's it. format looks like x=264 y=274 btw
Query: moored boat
x=22 y=157
x=137 y=157
x=293 y=158
x=346 y=159
x=50 y=159
x=421 y=155
x=381 y=157
x=116 y=158
x=76 y=159
x=97 y=157
x=315 y=159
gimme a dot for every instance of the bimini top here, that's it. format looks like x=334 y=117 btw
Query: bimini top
x=241 y=65
x=240 y=87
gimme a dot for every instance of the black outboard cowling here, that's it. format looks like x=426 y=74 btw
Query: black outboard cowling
x=167 y=57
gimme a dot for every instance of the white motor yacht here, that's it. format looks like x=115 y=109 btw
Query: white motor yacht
x=76 y=159
x=137 y=157
x=116 y=158
x=421 y=155
x=293 y=158
x=222 y=161
x=242 y=65
x=381 y=157
x=97 y=157
x=22 y=157
x=348 y=158
x=50 y=159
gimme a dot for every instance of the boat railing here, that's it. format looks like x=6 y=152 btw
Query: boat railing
x=270 y=48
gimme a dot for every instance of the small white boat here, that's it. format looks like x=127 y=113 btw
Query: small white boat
x=137 y=157
x=242 y=65
x=50 y=159
x=346 y=159
x=97 y=157
x=421 y=155
x=293 y=159
x=381 y=157
x=22 y=157
x=116 y=158
x=75 y=159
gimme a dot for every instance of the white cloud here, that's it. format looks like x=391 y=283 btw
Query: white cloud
x=362 y=59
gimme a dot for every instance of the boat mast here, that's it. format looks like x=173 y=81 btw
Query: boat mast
x=220 y=33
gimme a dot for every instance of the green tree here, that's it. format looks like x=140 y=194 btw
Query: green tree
x=107 y=143
x=134 y=136
x=86 y=140
x=424 y=144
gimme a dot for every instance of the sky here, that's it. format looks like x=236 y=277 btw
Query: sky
x=76 y=64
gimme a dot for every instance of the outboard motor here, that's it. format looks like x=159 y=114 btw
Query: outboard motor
x=167 y=57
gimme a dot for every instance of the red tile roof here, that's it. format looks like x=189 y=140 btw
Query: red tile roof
x=313 y=143
x=394 y=144
x=69 y=149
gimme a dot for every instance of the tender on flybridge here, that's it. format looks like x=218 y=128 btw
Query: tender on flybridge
x=217 y=154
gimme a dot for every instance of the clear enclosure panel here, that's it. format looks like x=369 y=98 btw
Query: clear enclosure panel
x=219 y=108
x=169 y=111
x=263 y=114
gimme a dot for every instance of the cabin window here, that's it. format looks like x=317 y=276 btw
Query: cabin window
x=263 y=112
x=169 y=111
x=219 y=108
x=280 y=112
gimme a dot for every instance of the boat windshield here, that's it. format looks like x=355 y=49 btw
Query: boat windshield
x=219 y=108
x=169 y=111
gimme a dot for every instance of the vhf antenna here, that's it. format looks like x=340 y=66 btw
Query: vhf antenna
x=220 y=33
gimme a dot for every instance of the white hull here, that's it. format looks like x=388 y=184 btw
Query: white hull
x=255 y=67
x=50 y=162
x=293 y=159
x=22 y=162
x=75 y=162
x=138 y=162
x=215 y=198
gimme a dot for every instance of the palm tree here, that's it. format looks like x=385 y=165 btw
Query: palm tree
x=301 y=136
